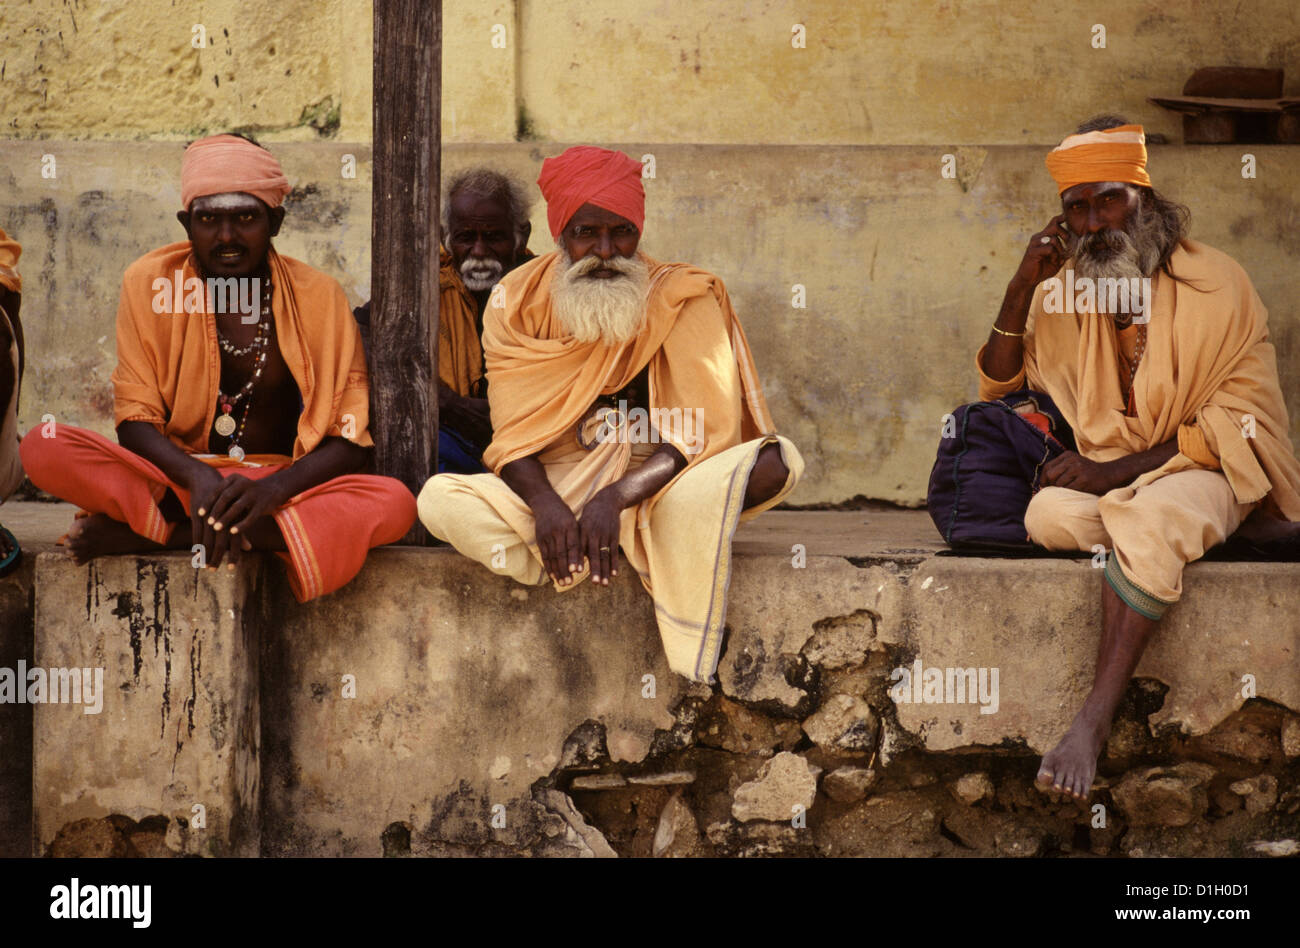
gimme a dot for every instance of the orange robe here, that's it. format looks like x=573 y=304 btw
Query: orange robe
x=1208 y=363
x=460 y=351
x=168 y=372
x=11 y=469
x=1208 y=378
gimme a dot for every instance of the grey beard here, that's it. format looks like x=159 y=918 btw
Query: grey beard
x=1135 y=251
x=611 y=310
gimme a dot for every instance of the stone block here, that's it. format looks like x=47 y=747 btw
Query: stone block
x=1038 y=621
x=784 y=784
x=178 y=726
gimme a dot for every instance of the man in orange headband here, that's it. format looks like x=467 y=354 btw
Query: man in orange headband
x=1173 y=398
x=241 y=398
x=626 y=411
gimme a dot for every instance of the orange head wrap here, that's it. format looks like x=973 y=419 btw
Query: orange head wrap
x=10 y=251
x=588 y=175
x=1116 y=154
x=226 y=163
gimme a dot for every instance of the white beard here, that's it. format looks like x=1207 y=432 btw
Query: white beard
x=480 y=273
x=591 y=308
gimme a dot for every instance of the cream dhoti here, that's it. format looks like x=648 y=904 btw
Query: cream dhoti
x=680 y=546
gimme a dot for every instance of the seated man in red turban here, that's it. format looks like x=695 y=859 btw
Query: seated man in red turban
x=626 y=412
x=240 y=394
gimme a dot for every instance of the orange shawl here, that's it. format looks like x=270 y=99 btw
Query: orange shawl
x=541 y=381
x=169 y=364
x=460 y=353
x=1208 y=362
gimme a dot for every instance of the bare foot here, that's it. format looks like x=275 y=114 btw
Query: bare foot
x=1068 y=768
x=101 y=535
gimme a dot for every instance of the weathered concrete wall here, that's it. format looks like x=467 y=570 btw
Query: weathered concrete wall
x=495 y=698
x=479 y=717
x=709 y=71
x=153 y=68
x=903 y=269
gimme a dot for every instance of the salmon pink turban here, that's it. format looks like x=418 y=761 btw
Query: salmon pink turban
x=225 y=163
x=1116 y=154
x=588 y=175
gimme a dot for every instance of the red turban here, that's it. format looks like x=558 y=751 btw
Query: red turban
x=588 y=175
x=227 y=163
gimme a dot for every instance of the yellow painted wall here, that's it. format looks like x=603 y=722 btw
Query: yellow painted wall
x=774 y=166
x=681 y=71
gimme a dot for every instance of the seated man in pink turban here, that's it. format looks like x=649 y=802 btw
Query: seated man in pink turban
x=626 y=413
x=240 y=394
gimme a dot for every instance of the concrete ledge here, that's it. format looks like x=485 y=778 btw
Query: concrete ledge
x=432 y=708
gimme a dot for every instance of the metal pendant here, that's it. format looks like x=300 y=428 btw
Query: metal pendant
x=225 y=426
x=236 y=452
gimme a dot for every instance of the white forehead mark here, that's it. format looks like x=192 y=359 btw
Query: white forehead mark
x=230 y=201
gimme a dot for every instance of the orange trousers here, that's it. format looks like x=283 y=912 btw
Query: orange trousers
x=328 y=529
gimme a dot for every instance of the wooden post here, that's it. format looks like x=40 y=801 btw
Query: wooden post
x=404 y=242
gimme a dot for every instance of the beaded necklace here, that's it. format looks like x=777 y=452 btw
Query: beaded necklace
x=1139 y=349
x=225 y=425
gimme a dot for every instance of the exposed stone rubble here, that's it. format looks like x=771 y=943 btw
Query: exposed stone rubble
x=973 y=788
x=117 y=836
x=849 y=784
x=786 y=784
x=677 y=833
x=583 y=838
x=1164 y=796
x=756 y=769
x=844 y=724
x=1291 y=736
